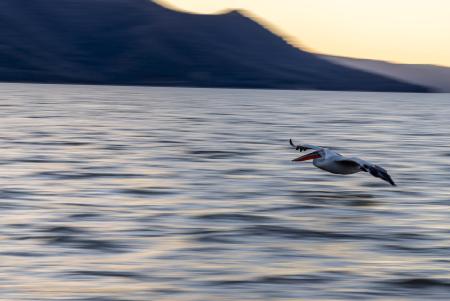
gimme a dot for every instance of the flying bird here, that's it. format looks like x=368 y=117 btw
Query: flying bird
x=333 y=162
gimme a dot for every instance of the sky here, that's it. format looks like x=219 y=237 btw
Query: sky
x=403 y=31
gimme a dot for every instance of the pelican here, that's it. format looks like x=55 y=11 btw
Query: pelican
x=333 y=162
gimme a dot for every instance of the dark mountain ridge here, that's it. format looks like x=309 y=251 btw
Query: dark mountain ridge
x=139 y=42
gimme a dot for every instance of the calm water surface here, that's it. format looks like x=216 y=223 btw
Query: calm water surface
x=125 y=193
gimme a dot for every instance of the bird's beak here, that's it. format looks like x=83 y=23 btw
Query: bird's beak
x=310 y=156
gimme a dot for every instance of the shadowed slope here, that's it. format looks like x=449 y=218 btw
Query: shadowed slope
x=435 y=77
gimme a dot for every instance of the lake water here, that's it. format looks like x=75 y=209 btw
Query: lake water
x=137 y=193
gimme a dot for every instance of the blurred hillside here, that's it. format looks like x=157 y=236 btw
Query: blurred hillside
x=435 y=77
x=142 y=43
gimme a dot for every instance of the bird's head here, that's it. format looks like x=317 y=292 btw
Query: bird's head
x=310 y=156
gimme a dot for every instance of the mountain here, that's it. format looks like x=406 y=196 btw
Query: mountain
x=139 y=42
x=435 y=77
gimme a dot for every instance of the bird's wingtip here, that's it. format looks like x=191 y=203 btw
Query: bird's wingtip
x=291 y=142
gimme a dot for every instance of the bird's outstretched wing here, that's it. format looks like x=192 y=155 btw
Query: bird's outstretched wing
x=373 y=169
x=379 y=172
x=304 y=147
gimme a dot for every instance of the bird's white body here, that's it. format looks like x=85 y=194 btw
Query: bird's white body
x=334 y=162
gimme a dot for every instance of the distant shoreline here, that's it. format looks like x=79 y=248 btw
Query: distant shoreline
x=211 y=87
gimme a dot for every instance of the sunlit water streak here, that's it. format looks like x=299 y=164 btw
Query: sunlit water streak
x=126 y=193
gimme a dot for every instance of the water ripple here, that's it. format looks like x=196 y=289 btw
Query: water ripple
x=137 y=194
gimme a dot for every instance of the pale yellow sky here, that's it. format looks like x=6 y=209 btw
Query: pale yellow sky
x=404 y=31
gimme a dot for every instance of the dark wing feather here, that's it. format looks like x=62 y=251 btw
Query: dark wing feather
x=349 y=163
x=298 y=147
x=304 y=147
x=374 y=170
x=379 y=172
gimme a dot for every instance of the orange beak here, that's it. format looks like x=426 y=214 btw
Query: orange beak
x=313 y=155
